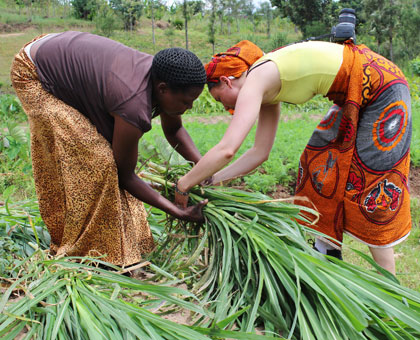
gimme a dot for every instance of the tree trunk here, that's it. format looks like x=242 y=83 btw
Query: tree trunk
x=153 y=25
x=391 y=52
x=186 y=24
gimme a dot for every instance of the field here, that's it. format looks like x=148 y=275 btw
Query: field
x=206 y=124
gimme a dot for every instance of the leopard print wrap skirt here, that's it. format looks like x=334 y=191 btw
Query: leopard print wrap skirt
x=76 y=180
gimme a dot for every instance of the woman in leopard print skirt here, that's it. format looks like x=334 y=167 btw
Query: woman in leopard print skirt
x=89 y=100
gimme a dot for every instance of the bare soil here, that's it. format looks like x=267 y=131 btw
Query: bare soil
x=414 y=182
x=14 y=29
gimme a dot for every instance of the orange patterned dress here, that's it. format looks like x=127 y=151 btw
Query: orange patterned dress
x=356 y=164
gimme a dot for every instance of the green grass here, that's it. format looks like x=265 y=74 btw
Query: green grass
x=407 y=258
x=415 y=139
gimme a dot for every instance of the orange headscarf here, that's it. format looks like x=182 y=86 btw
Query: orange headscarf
x=235 y=61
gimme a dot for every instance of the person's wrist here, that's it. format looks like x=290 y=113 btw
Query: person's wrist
x=180 y=192
x=181 y=189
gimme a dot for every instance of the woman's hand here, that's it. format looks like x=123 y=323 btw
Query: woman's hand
x=193 y=213
x=208 y=181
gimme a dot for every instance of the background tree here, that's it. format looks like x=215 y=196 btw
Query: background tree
x=250 y=12
x=155 y=10
x=84 y=9
x=382 y=23
x=186 y=14
x=408 y=30
x=212 y=21
x=233 y=10
x=196 y=7
x=129 y=10
x=267 y=13
x=25 y=4
x=312 y=17
x=221 y=14
x=106 y=20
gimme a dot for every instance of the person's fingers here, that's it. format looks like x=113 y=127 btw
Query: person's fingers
x=204 y=202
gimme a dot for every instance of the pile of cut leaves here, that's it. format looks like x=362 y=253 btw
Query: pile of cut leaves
x=247 y=267
x=252 y=255
x=77 y=298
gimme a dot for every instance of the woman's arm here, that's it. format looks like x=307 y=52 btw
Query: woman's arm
x=261 y=86
x=246 y=112
x=125 y=150
x=179 y=138
x=264 y=140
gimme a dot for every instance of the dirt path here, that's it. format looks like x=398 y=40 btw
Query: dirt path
x=6 y=35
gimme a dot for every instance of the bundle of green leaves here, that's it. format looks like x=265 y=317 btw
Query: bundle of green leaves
x=75 y=298
x=252 y=254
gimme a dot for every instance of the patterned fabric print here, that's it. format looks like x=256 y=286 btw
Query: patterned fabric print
x=76 y=180
x=374 y=205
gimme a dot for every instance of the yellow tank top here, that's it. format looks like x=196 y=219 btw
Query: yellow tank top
x=306 y=69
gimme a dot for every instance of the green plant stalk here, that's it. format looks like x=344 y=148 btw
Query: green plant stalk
x=248 y=233
x=69 y=300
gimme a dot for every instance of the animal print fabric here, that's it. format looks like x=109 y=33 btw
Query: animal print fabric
x=76 y=180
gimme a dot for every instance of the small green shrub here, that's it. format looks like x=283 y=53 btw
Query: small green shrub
x=11 y=109
x=205 y=104
x=106 y=21
x=15 y=162
x=261 y=182
x=178 y=24
x=415 y=66
x=279 y=39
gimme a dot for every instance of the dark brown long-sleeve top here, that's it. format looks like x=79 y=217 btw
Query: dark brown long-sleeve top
x=97 y=76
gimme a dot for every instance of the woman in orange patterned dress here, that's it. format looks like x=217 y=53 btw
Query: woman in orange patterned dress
x=356 y=164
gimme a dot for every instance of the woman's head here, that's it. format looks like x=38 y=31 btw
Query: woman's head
x=232 y=63
x=179 y=78
x=226 y=70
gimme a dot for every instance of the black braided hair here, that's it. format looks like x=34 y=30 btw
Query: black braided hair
x=179 y=68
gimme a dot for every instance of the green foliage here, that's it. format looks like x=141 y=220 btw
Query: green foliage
x=414 y=83
x=15 y=163
x=205 y=104
x=311 y=16
x=415 y=66
x=277 y=40
x=261 y=183
x=22 y=231
x=407 y=44
x=11 y=109
x=253 y=246
x=130 y=11
x=415 y=138
x=7 y=250
x=84 y=9
x=382 y=23
x=154 y=9
x=178 y=24
x=106 y=21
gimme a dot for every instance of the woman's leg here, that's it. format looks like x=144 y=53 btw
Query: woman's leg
x=327 y=249
x=384 y=257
